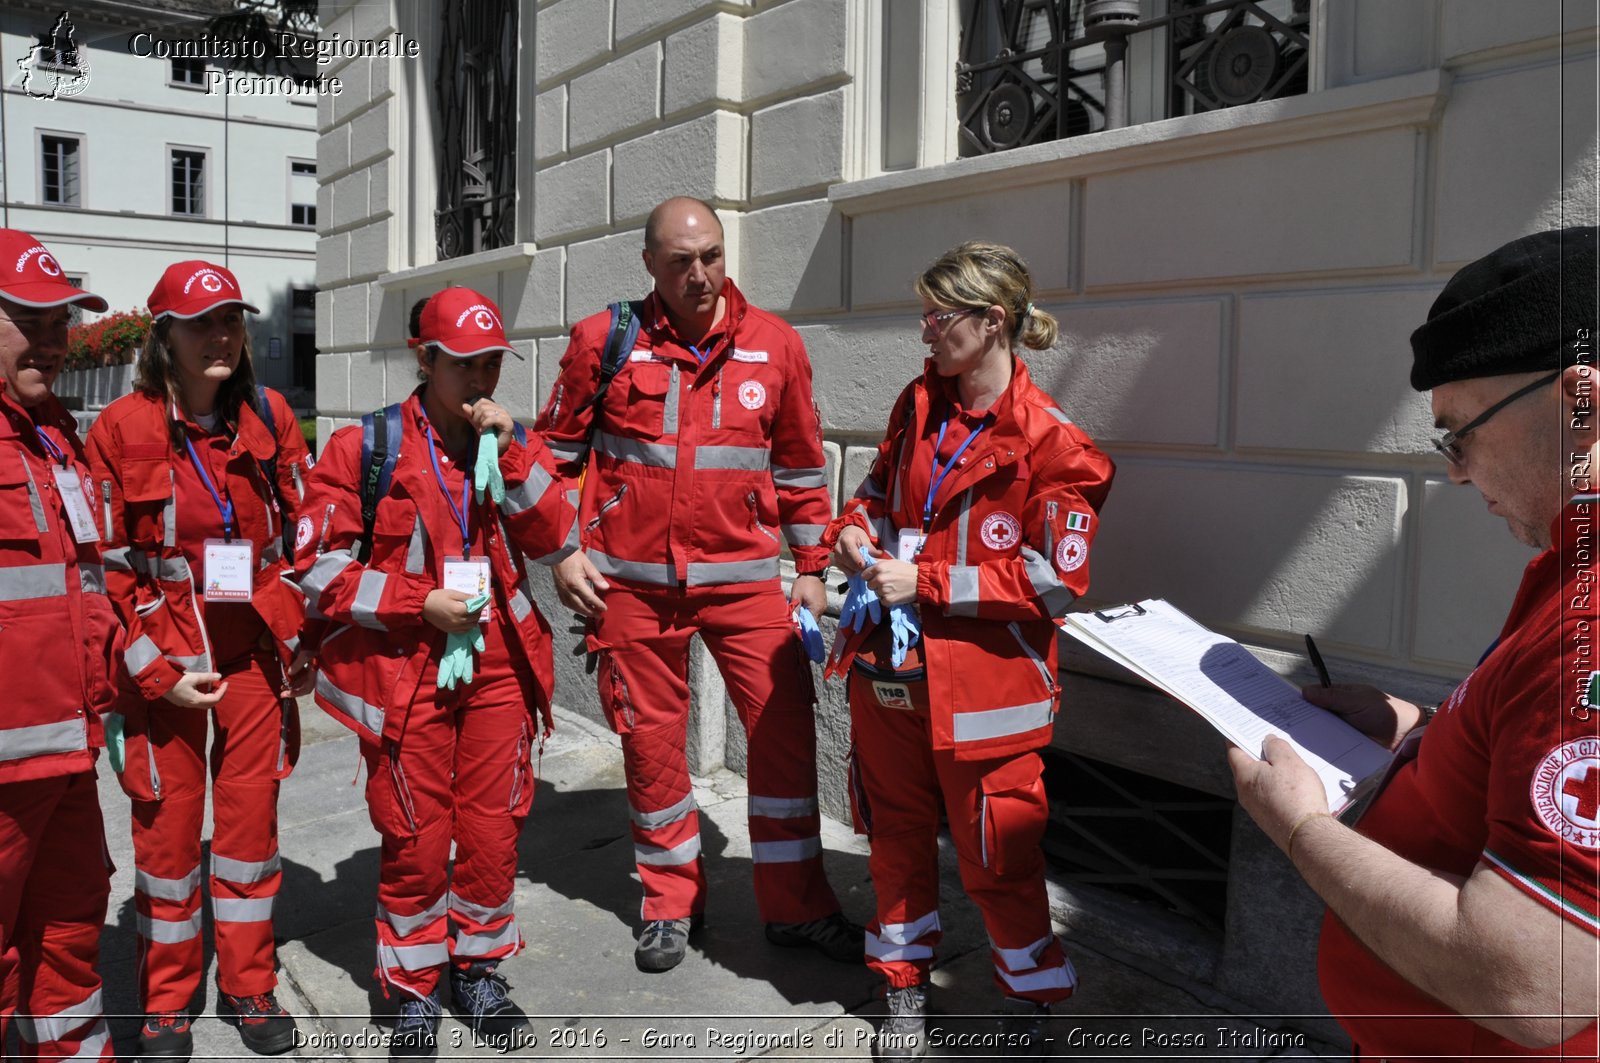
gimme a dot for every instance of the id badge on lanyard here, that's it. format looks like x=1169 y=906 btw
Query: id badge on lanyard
x=229 y=570
x=910 y=544
x=470 y=576
x=78 y=512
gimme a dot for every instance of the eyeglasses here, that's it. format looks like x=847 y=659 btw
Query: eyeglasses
x=1449 y=444
x=934 y=318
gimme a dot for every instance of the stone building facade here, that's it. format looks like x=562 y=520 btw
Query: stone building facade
x=1236 y=289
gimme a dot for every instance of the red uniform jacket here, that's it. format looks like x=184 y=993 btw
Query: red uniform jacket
x=1006 y=555
x=152 y=580
x=698 y=468
x=373 y=657
x=60 y=644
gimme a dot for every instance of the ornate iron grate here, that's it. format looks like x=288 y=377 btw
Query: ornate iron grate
x=1038 y=70
x=477 y=93
x=1148 y=838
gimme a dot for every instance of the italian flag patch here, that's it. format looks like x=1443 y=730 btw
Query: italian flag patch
x=1077 y=520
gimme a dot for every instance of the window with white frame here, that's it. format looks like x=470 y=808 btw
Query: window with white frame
x=187 y=167
x=187 y=72
x=303 y=193
x=75 y=311
x=61 y=169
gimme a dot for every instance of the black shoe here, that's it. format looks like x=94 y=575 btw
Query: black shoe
x=833 y=935
x=1020 y=1031
x=662 y=944
x=166 y=1035
x=264 y=1027
x=902 y=1034
x=416 y=1028
x=480 y=996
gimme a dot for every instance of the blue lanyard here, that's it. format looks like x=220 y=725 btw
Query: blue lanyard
x=938 y=475
x=224 y=506
x=459 y=512
x=55 y=451
x=697 y=354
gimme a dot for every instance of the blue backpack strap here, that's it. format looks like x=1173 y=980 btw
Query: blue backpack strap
x=269 y=469
x=620 y=338
x=380 y=450
x=519 y=433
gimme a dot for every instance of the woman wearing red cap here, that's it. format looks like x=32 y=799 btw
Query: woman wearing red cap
x=439 y=657
x=198 y=472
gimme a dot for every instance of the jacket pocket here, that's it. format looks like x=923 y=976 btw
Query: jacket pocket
x=1048 y=680
x=21 y=506
x=649 y=385
x=1012 y=813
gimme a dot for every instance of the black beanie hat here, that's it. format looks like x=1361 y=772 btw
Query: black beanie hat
x=1517 y=309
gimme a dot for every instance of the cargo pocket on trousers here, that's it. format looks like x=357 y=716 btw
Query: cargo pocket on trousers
x=140 y=779
x=615 y=697
x=1012 y=815
x=860 y=808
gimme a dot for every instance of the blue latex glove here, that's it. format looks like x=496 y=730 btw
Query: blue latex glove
x=860 y=602
x=456 y=664
x=810 y=634
x=905 y=629
x=115 y=750
x=486 y=473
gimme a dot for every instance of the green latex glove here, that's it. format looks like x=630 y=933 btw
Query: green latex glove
x=486 y=473
x=114 y=746
x=456 y=664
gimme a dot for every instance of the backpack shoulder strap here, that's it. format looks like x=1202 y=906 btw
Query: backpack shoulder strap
x=381 y=432
x=620 y=338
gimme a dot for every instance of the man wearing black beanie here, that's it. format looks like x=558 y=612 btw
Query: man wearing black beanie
x=1463 y=907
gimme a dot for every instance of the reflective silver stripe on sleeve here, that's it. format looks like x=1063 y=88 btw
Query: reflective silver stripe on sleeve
x=663 y=816
x=168 y=931
x=141 y=655
x=23 y=582
x=478 y=913
x=167 y=889
x=92 y=579
x=963 y=526
x=169 y=513
x=567 y=452
x=413 y=957
x=68 y=736
x=244 y=872
x=117 y=559
x=781 y=807
x=963 y=591
x=869 y=488
x=417 y=549
x=784 y=476
x=669 y=411
x=1051 y=591
x=621 y=448
x=322 y=573
x=521 y=603
x=746 y=459
x=369 y=593
x=527 y=494
x=708 y=573
x=655 y=856
x=638 y=571
x=200 y=662
x=998 y=723
x=368 y=716
x=1022 y=959
x=786 y=852
x=34 y=501
x=568 y=545
x=242 y=909
x=406 y=925
x=37 y=1029
x=803 y=534
x=1062 y=977
x=173 y=569
x=483 y=944
x=1058 y=414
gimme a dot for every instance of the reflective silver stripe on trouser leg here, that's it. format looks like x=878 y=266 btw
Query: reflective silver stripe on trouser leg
x=37 y=1029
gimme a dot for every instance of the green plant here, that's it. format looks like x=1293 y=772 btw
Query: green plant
x=112 y=340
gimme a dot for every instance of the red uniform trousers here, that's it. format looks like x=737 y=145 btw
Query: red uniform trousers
x=644 y=689
x=996 y=810
x=250 y=752
x=54 y=883
x=461 y=772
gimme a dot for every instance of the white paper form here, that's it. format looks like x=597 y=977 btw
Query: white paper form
x=1237 y=694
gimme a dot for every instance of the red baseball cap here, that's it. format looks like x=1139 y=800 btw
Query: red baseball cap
x=463 y=323
x=30 y=275
x=189 y=289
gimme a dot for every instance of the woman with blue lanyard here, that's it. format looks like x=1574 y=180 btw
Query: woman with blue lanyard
x=415 y=535
x=967 y=538
x=198 y=472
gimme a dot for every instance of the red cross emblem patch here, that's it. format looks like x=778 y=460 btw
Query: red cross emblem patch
x=1566 y=792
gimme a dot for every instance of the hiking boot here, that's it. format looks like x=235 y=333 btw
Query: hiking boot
x=662 y=944
x=166 y=1035
x=416 y=1028
x=480 y=997
x=901 y=1034
x=264 y=1027
x=1020 y=1031
x=833 y=935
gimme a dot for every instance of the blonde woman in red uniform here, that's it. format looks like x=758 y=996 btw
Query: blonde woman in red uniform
x=977 y=517
x=198 y=471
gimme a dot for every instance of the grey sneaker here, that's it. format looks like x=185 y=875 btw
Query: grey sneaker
x=1021 y=1029
x=833 y=935
x=901 y=1034
x=662 y=944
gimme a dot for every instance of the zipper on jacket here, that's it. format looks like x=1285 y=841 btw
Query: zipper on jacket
x=155 y=775
x=983 y=829
x=716 y=398
x=605 y=507
x=299 y=485
x=755 y=519
x=1038 y=662
x=105 y=499
x=149 y=607
x=322 y=540
x=620 y=693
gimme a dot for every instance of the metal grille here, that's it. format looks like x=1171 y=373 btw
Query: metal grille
x=1038 y=70
x=476 y=88
x=1148 y=838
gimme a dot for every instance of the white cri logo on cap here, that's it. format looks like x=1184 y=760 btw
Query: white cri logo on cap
x=483 y=320
x=48 y=263
x=211 y=282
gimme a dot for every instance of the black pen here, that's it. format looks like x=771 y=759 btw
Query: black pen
x=1316 y=662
